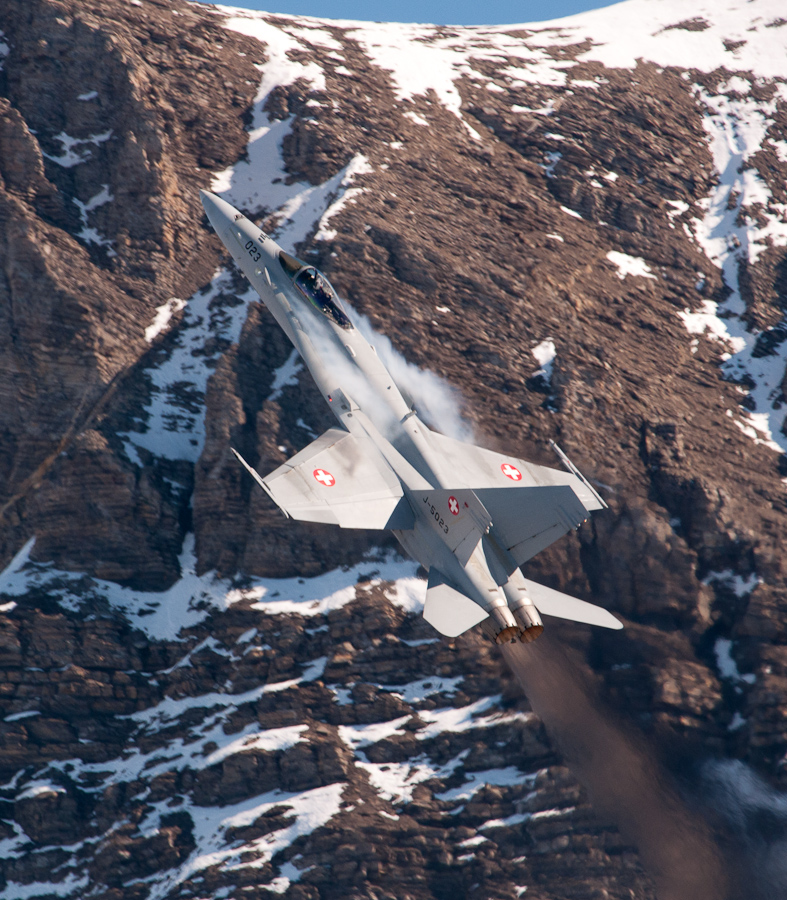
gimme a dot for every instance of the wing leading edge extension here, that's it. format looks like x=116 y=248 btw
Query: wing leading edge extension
x=339 y=479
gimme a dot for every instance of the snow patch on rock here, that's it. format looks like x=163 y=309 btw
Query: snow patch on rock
x=308 y=811
x=163 y=615
x=75 y=150
x=629 y=265
x=358 y=165
x=545 y=354
x=163 y=317
x=172 y=424
x=741 y=220
x=726 y=665
x=286 y=375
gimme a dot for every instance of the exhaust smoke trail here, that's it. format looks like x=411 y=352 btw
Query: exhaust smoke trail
x=622 y=775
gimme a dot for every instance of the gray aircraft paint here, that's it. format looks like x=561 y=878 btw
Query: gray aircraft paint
x=470 y=516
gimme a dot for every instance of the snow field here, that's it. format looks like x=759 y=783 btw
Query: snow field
x=641 y=29
x=428 y=62
x=172 y=425
x=163 y=615
x=423 y=62
x=729 y=233
x=207 y=744
x=258 y=183
x=307 y=811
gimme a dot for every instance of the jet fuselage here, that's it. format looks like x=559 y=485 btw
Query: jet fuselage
x=447 y=528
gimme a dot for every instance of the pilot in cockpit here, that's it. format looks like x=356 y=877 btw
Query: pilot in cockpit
x=316 y=288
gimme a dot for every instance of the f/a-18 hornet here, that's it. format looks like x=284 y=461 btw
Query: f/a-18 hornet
x=471 y=517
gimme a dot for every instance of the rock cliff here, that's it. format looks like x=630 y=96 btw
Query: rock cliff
x=581 y=228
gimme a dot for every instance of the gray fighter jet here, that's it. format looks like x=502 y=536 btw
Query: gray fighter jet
x=471 y=517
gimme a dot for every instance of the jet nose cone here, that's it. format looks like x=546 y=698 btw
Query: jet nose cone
x=219 y=212
x=207 y=200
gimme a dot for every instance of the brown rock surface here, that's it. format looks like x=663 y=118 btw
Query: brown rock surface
x=466 y=254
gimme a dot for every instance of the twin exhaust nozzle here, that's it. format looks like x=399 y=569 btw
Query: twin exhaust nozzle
x=513 y=623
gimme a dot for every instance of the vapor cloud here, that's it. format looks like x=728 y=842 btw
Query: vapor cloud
x=755 y=816
x=437 y=403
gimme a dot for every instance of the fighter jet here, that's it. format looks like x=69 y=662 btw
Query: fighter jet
x=470 y=516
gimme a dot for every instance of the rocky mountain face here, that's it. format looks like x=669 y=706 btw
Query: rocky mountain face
x=581 y=228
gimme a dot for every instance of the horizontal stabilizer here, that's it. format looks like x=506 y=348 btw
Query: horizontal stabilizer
x=339 y=479
x=550 y=602
x=448 y=610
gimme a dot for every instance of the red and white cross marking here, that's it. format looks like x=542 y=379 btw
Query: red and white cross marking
x=325 y=478
x=453 y=505
x=511 y=472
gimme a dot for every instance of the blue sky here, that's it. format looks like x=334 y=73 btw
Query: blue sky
x=443 y=12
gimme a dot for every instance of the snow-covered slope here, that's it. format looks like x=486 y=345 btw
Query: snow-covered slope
x=727 y=56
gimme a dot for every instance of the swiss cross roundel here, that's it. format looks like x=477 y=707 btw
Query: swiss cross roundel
x=453 y=505
x=511 y=472
x=325 y=478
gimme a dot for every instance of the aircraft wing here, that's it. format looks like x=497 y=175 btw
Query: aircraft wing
x=530 y=506
x=339 y=479
x=528 y=519
x=477 y=467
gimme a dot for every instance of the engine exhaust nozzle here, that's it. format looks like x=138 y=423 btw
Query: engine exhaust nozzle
x=527 y=618
x=500 y=626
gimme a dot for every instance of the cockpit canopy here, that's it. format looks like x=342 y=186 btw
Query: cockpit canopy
x=316 y=288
